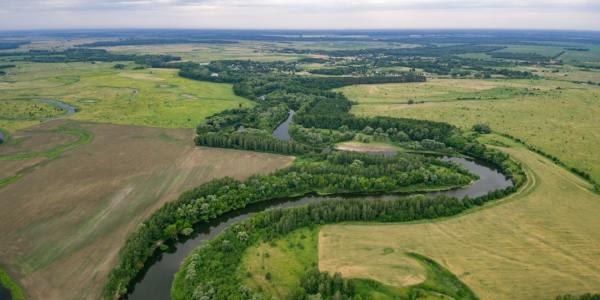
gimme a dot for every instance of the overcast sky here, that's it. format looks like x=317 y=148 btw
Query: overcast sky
x=300 y=14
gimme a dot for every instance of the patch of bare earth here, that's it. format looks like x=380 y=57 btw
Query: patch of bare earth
x=62 y=224
x=362 y=147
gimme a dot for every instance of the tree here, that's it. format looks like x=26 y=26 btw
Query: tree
x=482 y=128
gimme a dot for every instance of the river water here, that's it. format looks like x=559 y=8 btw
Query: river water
x=282 y=131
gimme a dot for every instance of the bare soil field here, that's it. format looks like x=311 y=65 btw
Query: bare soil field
x=536 y=244
x=62 y=224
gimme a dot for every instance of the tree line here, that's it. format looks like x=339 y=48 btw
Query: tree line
x=90 y=55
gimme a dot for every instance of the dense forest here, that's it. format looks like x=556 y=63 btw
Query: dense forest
x=9 y=45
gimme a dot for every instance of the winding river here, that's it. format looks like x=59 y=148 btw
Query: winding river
x=155 y=282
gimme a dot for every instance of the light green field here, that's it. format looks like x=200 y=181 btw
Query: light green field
x=565 y=73
x=536 y=244
x=559 y=117
x=151 y=97
x=286 y=259
x=439 y=90
x=28 y=110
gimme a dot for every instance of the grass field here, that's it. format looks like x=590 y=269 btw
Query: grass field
x=286 y=259
x=28 y=110
x=275 y=269
x=536 y=244
x=61 y=234
x=439 y=90
x=559 y=117
x=151 y=97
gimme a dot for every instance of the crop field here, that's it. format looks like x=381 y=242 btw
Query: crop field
x=559 y=117
x=100 y=93
x=535 y=244
x=60 y=239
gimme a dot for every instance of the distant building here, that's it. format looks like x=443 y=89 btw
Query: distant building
x=214 y=75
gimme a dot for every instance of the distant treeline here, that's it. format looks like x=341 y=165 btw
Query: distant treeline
x=344 y=70
x=578 y=49
x=8 y=45
x=442 y=61
x=427 y=51
x=532 y=57
x=2 y=67
x=423 y=37
x=89 y=55
x=154 y=41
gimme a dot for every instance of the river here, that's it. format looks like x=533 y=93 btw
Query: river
x=282 y=131
x=156 y=282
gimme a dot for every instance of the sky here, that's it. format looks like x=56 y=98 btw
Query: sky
x=300 y=14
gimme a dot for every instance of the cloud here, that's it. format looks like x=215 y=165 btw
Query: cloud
x=344 y=5
x=579 y=14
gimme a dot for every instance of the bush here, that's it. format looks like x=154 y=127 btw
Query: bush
x=482 y=128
